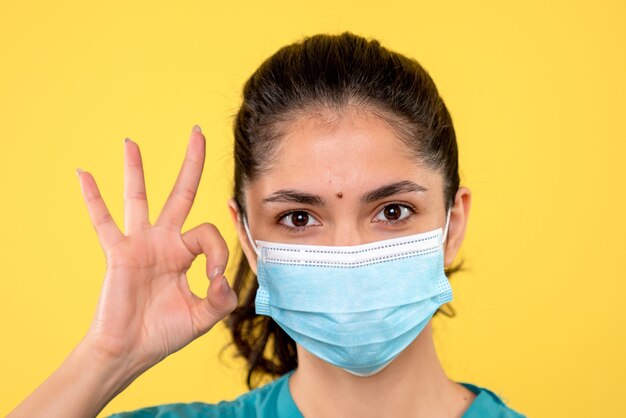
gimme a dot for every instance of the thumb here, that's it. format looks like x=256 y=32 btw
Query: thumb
x=219 y=302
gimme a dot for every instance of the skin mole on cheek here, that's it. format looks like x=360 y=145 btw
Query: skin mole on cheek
x=339 y=195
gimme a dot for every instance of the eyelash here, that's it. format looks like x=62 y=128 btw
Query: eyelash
x=298 y=229
x=291 y=228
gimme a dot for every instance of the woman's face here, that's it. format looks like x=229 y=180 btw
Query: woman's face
x=346 y=182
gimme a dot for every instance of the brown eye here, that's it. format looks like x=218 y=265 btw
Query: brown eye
x=298 y=219
x=394 y=212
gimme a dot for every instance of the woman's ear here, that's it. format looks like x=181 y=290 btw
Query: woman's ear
x=246 y=246
x=458 y=224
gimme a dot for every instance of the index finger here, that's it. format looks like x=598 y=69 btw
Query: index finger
x=181 y=197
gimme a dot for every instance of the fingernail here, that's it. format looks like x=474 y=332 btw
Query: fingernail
x=78 y=171
x=216 y=271
x=196 y=128
x=225 y=289
x=126 y=140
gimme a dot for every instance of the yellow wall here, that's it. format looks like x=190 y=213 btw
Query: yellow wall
x=537 y=91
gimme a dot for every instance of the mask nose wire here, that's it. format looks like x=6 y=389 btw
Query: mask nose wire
x=245 y=224
x=256 y=250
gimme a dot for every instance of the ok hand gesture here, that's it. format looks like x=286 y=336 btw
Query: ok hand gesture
x=146 y=310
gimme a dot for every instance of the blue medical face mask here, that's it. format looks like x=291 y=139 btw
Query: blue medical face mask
x=356 y=307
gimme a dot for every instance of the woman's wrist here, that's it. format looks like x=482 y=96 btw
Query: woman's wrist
x=110 y=361
x=111 y=373
x=87 y=380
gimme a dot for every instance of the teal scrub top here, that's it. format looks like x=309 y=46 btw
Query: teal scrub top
x=274 y=400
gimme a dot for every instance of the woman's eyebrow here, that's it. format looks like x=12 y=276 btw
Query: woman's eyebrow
x=290 y=195
x=295 y=196
x=405 y=186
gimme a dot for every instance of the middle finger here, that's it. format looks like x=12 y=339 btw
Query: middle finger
x=181 y=197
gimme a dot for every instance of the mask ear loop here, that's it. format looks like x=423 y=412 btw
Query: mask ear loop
x=445 y=231
x=245 y=224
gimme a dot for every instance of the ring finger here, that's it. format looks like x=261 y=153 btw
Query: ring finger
x=135 y=200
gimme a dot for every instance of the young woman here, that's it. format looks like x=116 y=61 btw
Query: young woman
x=348 y=206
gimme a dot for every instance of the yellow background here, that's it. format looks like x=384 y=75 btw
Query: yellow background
x=537 y=92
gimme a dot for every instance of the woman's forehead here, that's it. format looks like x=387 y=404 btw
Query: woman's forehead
x=346 y=141
x=356 y=152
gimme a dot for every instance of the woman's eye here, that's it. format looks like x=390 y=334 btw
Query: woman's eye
x=297 y=220
x=394 y=213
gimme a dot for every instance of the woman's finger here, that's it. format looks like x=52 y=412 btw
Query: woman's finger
x=219 y=302
x=206 y=239
x=106 y=229
x=135 y=200
x=220 y=299
x=181 y=198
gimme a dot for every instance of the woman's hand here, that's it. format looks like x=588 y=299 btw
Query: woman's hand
x=146 y=310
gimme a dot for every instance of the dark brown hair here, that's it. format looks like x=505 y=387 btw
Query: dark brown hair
x=327 y=72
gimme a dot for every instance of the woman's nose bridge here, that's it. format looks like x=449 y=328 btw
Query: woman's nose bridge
x=346 y=233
